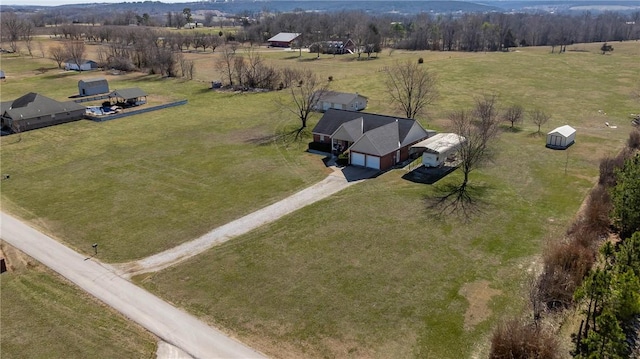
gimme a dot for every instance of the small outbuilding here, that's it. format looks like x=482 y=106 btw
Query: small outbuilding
x=2 y=75
x=561 y=137
x=81 y=65
x=94 y=86
x=438 y=148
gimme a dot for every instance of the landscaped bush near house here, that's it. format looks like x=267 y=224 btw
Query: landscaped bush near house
x=516 y=339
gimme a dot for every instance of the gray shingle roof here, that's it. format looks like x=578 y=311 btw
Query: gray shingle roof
x=380 y=134
x=94 y=81
x=34 y=105
x=129 y=93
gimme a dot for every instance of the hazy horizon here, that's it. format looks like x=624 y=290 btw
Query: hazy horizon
x=75 y=2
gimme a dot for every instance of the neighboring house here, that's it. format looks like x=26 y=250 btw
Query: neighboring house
x=130 y=97
x=561 y=137
x=341 y=101
x=82 y=65
x=283 y=39
x=33 y=111
x=438 y=148
x=338 y=47
x=373 y=141
x=93 y=86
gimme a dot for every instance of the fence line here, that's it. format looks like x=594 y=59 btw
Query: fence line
x=135 y=112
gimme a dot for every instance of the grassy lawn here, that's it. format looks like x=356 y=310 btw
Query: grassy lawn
x=374 y=272
x=44 y=316
x=370 y=272
x=145 y=183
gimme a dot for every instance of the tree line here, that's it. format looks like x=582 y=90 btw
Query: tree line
x=452 y=32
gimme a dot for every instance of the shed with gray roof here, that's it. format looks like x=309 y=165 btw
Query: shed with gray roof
x=93 y=86
x=372 y=140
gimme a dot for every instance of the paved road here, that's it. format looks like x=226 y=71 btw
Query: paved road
x=159 y=317
x=334 y=183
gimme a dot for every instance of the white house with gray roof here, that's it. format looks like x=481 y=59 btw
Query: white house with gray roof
x=341 y=101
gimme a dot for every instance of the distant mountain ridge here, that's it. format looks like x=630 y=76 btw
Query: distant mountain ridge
x=370 y=6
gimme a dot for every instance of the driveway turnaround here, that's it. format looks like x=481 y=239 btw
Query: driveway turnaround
x=100 y=280
x=334 y=183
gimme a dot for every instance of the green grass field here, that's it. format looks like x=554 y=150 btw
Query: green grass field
x=44 y=316
x=370 y=272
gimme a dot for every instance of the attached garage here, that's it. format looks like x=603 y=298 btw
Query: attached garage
x=373 y=162
x=358 y=159
x=561 y=137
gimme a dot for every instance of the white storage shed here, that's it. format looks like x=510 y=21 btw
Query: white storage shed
x=561 y=137
x=438 y=148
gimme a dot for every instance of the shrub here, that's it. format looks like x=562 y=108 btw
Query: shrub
x=597 y=210
x=515 y=339
x=634 y=140
x=420 y=60
x=330 y=78
x=582 y=233
x=609 y=165
x=565 y=265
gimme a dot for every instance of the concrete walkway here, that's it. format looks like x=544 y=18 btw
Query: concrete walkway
x=172 y=325
x=335 y=182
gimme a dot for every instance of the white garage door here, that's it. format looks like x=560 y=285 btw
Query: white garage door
x=357 y=159
x=373 y=162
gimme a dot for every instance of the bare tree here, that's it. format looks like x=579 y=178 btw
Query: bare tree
x=58 y=54
x=225 y=64
x=27 y=35
x=305 y=95
x=411 y=87
x=539 y=118
x=75 y=51
x=513 y=114
x=11 y=29
x=477 y=131
x=187 y=67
